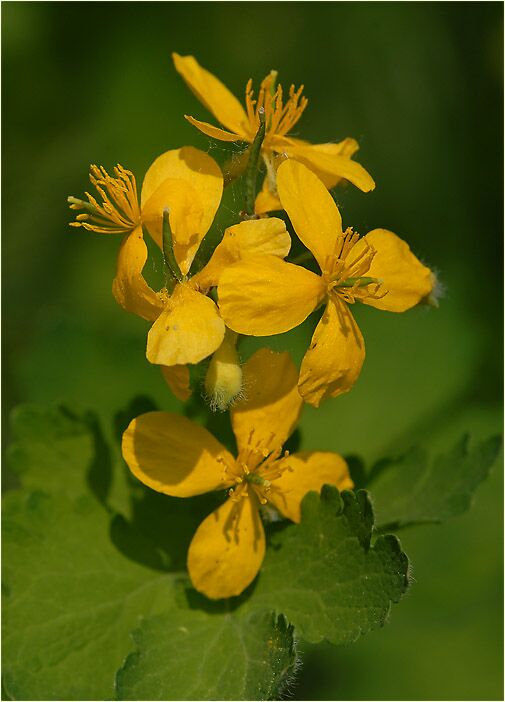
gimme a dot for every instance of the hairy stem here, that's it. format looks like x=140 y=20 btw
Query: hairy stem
x=252 y=166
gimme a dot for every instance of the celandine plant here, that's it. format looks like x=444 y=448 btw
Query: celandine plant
x=199 y=585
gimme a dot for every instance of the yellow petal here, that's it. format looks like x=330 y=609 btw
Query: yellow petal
x=177 y=379
x=284 y=144
x=263 y=295
x=331 y=165
x=227 y=549
x=185 y=208
x=256 y=236
x=190 y=164
x=129 y=287
x=269 y=412
x=336 y=353
x=403 y=275
x=307 y=471
x=212 y=93
x=173 y=455
x=266 y=201
x=311 y=209
x=346 y=148
x=205 y=181
x=186 y=216
x=188 y=330
x=212 y=131
x=287 y=146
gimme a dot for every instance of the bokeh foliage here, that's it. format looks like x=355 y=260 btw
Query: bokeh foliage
x=419 y=85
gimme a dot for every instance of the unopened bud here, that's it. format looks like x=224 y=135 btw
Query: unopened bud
x=223 y=381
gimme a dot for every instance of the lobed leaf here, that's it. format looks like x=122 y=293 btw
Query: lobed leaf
x=324 y=575
x=57 y=450
x=52 y=447
x=195 y=655
x=415 y=490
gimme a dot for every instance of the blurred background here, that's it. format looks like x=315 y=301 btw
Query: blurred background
x=420 y=86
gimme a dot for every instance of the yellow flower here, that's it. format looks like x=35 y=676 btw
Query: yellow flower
x=119 y=213
x=331 y=162
x=263 y=295
x=172 y=455
x=188 y=183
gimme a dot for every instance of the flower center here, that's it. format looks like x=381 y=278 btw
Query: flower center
x=280 y=116
x=348 y=266
x=256 y=468
x=119 y=211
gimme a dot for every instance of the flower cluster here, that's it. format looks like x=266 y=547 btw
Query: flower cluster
x=246 y=287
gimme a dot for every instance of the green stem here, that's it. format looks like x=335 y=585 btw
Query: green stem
x=252 y=166
x=168 y=248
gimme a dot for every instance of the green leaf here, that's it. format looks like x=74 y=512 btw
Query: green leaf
x=324 y=575
x=197 y=655
x=79 y=579
x=71 y=598
x=56 y=450
x=53 y=448
x=414 y=490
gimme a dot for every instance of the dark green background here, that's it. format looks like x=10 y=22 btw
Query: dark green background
x=419 y=85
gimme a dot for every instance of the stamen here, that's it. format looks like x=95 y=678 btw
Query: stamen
x=348 y=280
x=273 y=80
x=280 y=118
x=119 y=211
x=249 y=101
x=237 y=493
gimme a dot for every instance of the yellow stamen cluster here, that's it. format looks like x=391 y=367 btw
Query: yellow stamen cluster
x=280 y=118
x=347 y=278
x=257 y=467
x=119 y=211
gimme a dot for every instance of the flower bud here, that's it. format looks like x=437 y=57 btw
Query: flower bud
x=223 y=381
